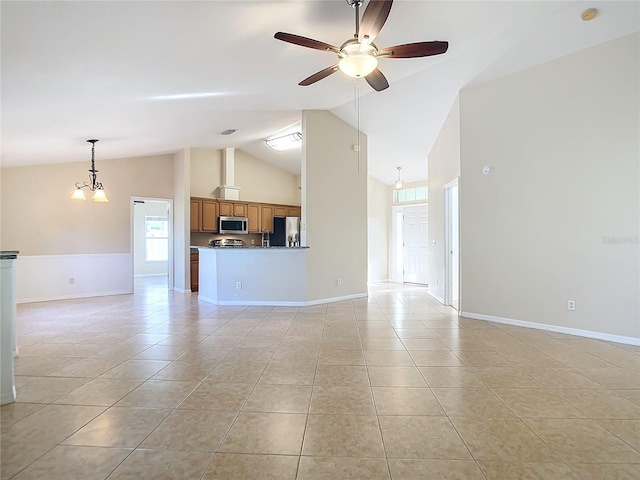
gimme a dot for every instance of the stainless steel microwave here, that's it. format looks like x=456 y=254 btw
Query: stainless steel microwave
x=233 y=225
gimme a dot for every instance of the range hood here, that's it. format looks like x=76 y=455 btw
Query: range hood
x=228 y=190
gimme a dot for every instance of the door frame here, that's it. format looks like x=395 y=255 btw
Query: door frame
x=169 y=201
x=397 y=228
x=448 y=242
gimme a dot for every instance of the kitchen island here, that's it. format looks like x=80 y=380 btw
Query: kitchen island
x=253 y=275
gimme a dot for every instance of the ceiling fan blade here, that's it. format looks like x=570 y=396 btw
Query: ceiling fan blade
x=373 y=19
x=319 y=75
x=377 y=80
x=412 y=50
x=305 y=42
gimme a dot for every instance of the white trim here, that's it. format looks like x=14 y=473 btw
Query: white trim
x=336 y=299
x=143 y=275
x=441 y=300
x=554 y=328
x=181 y=290
x=276 y=303
x=71 y=297
x=448 y=285
x=376 y=282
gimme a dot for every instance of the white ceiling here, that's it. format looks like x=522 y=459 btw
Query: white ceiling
x=91 y=69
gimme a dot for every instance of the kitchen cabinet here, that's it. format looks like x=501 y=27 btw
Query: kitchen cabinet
x=280 y=211
x=254 y=215
x=266 y=217
x=196 y=215
x=203 y=215
x=294 y=211
x=233 y=209
x=195 y=258
x=209 y=216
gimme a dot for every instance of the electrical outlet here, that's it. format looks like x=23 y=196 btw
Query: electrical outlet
x=239 y=285
x=72 y=281
x=339 y=282
x=253 y=241
x=571 y=304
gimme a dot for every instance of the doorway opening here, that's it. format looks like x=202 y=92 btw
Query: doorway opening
x=152 y=242
x=452 y=245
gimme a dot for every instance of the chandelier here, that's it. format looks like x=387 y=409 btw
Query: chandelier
x=94 y=185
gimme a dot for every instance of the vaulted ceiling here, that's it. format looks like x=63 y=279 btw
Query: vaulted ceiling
x=117 y=71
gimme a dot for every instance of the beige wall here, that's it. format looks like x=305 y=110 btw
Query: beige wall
x=205 y=172
x=258 y=181
x=39 y=218
x=334 y=206
x=263 y=182
x=379 y=228
x=563 y=140
x=444 y=166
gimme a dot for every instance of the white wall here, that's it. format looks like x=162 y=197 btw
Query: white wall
x=443 y=166
x=181 y=218
x=334 y=207
x=563 y=140
x=379 y=228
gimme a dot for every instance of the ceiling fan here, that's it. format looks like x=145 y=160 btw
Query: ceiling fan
x=358 y=56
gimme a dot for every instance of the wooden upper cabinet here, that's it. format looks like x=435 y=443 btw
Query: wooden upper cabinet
x=226 y=209
x=209 y=216
x=232 y=209
x=240 y=210
x=294 y=211
x=254 y=214
x=266 y=217
x=280 y=211
x=196 y=215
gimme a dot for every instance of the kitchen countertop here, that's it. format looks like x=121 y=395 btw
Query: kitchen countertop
x=253 y=247
x=8 y=254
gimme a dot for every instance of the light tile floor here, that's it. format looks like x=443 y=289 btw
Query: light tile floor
x=157 y=385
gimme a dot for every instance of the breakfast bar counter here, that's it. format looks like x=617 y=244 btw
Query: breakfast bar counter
x=253 y=275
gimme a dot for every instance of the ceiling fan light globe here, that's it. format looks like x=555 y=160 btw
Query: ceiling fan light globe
x=358 y=64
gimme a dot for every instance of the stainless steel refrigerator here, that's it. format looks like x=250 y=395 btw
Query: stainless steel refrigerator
x=286 y=232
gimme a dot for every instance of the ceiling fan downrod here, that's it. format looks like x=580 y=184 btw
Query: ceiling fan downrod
x=356 y=4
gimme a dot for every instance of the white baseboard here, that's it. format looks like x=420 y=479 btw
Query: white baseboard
x=440 y=299
x=267 y=303
x=233 y=303
x=554 y=328
x=335 y=299
x=377 y=282
x=182 y=290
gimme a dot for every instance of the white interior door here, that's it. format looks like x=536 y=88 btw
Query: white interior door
x=415 y=236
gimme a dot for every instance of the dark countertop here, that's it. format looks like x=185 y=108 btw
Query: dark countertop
x=254 y=247
x=8 y=254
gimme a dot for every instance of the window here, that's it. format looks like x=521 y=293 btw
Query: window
x=156 y=236
x=414 y=194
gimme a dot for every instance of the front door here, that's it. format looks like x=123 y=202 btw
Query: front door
x=415 y=236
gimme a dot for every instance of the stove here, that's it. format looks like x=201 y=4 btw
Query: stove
x=227 y=242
